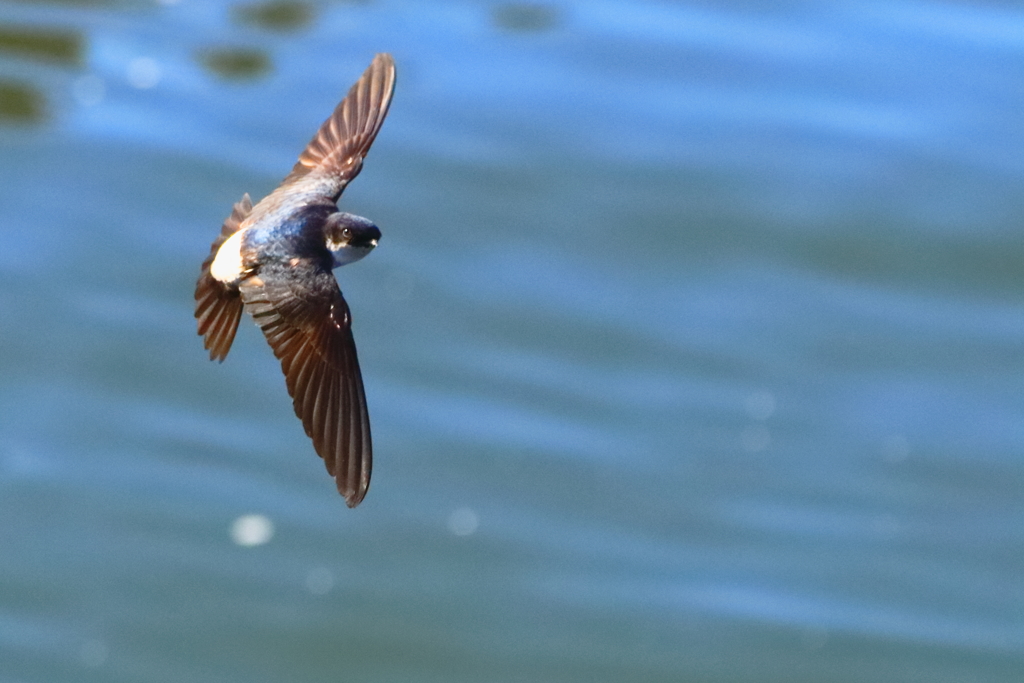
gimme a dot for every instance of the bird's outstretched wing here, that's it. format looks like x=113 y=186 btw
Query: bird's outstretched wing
x=219 y=308
x=335 y=154
x=306 y=321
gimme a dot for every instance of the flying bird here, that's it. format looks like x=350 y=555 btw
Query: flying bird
x=276 y=259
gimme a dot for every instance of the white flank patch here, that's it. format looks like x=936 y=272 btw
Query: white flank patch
x=227 y=265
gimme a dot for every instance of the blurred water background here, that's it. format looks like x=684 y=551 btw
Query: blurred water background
x=693 y=345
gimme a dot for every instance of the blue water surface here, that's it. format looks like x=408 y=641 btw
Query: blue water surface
x=693 y=345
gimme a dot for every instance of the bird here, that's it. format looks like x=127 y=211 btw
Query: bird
x=276 y=260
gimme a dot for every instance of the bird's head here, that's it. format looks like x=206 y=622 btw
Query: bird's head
x=349 y=237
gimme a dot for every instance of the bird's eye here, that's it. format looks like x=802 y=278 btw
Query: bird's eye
x=347 y=233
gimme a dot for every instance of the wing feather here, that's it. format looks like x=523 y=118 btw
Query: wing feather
x=218 y=307
x=339 y=147
x=307 y=323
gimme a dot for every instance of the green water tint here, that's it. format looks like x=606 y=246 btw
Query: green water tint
x=21 y=103
x=236 y=63
x=525 y=17
x=46 y=45
x=284 y=15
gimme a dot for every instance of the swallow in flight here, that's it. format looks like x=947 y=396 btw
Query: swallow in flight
x=275 y=261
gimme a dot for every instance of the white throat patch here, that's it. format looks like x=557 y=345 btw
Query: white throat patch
x=348 y=254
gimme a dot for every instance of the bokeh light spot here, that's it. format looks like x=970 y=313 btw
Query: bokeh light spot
x=250 y=530
x=144 y=73
x=463 y=522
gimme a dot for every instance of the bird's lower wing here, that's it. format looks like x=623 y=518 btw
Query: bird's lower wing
x=218 y=307
x=307 y=323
